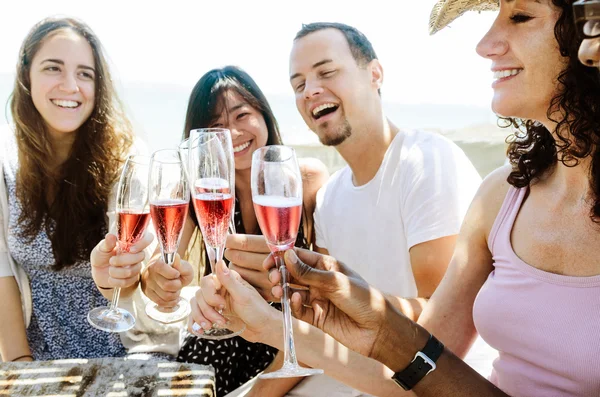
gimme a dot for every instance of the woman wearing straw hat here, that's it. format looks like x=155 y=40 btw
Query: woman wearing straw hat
x=525 y=273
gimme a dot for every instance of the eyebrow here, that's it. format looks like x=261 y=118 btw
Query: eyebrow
x=316 y=65
x=62 y=63
x=236 y=107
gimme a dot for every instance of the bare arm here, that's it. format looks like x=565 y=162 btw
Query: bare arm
x=314 y=175
x=13 y=339
x=449 y=313
x=402 y=338
x=429 y=261
x=358 y=315
x=273 y=387
x=313 y=347
x=319 y=350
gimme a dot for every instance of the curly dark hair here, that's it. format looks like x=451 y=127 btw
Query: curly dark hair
x=75 y=220
x=533 y=150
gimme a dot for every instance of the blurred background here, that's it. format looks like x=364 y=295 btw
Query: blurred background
x=159 y=50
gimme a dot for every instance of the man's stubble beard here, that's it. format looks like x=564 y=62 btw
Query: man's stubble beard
x=339 y=136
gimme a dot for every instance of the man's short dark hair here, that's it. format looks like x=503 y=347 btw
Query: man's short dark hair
x=360 y=47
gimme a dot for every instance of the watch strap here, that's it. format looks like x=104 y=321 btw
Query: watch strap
x=421 y=365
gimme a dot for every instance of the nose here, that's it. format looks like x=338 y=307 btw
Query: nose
x=589 y=52
x=235 y=133
x=69 y=83
x=312 y=88
x=493 y=43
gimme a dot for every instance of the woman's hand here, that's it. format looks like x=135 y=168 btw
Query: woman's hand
x=228 y=290
x=246 y=254
x=163 y=283
x=111 y=270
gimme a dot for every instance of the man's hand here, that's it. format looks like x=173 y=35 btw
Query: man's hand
x=163 y=283
x=338 y=301
x=246 y=254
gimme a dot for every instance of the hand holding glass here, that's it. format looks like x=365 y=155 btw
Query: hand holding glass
x=212 y=176
x=277 y=195
x=169 y=196
x=133 y=215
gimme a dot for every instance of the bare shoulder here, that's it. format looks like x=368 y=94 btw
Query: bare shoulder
x=314 y=175
x=490 y=196
x=312 y=168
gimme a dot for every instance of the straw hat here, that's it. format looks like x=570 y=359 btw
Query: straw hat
x=446 y=11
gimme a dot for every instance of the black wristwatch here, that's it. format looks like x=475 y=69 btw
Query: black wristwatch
x=421 y=365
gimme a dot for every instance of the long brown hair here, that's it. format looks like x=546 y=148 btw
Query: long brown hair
x=75 y=219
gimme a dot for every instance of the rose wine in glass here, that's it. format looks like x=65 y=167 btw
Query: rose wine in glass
x=133 y=216
x=169 y=196
x=277 y=196
x=212 y=175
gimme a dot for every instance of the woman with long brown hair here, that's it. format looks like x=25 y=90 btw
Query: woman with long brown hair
x=60 y=160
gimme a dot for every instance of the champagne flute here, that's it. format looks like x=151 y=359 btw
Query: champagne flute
x=212 y=175
x=277 y=196
x=133 y=215
x=169 y=195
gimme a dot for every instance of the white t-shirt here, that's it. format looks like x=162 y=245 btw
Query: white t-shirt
x=421 y=192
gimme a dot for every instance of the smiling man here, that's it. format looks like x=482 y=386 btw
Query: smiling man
x=394 y=212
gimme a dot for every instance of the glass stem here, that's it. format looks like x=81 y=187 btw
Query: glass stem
x=114 y=303
x=289 y=351
x=215 y=254
x=115 y=299
x=169 y=258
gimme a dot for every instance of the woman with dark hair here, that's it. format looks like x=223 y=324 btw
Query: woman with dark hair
x=60 y=161
x=229 y=98
x=525 y=273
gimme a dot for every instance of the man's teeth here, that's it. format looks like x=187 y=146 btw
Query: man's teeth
x=64 y=103
x=500 y=74
x=241 y=147
x=322 y=107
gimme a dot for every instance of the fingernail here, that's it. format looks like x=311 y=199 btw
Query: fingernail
x=133 y=250
x=221 y=323
x=196 y=327
x=225 y=268
x=221 y=307
x=203 y=324
x=291 y=256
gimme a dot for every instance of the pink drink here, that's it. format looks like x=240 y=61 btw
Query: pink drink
x=279 y=218
x=214 y=212
x=168 y=217
x=131 y=227
x=211 y=185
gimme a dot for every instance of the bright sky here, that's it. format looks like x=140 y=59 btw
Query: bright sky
x=176 y=41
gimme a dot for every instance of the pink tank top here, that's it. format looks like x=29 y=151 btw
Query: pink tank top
x=545 y=326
